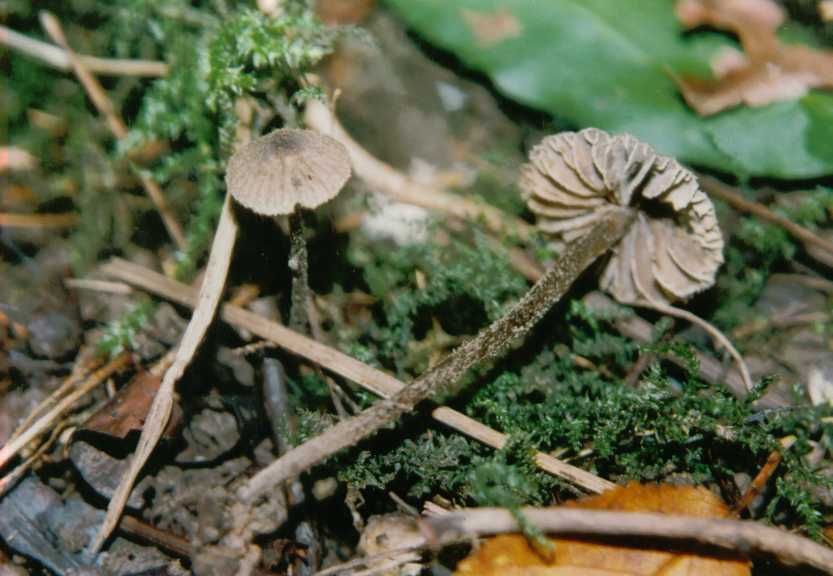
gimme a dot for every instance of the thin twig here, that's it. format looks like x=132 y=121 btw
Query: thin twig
x=367 y=377
x=824 y=247
x=82 y=369
x=349 y=566
x=168 y=541
x=94 y=285
x=65 y=220
x=386 y=179
x=105 y=107
x=488 y=343
x=736 y=535
x=814 y=282
x=44 y=422
x=11 y=479
x=58 y=58
x=762 y=477
x=210 y=292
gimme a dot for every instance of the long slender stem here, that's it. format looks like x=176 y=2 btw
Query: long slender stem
x=298 y=264
x=489 y=343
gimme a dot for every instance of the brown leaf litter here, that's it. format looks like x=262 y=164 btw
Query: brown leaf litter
x=768 y=70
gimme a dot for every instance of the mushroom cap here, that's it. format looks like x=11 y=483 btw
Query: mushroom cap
x=674 y=247
x=286 y=168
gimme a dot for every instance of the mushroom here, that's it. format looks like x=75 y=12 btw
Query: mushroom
x=281 y=174
x=674 y=248
x=272 y=175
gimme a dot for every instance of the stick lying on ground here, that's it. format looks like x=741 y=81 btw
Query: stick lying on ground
x=55 y=56
x=735 y=535
x=817 y=246
x=339 y=363
x=488 y=343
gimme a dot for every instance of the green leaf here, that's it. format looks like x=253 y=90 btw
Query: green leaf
x=611 y=65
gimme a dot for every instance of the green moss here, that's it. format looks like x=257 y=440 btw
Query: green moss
x=757 y=249
x=670 y=425
x=121 y=334
x=467 y=285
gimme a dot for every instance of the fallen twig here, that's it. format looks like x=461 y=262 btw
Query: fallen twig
x=337 y=362
x=823 y=248
x=98 y=286
x=386 y=179
x=488 y=343
x=11 y=479
x=39 y=426
x=58 y=58
x=760 y=481
x=80 y=371
x=105 y=107
x=210 y=292
x=736 y=535
x=10 y=220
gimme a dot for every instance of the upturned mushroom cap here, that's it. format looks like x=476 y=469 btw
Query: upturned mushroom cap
x=674 y=247
x=287 y=168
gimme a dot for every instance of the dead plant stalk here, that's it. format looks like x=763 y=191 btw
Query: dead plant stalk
x=715 y=187
x=488 y=343
x=58 y=58
x=44 y=422
x=367 y=377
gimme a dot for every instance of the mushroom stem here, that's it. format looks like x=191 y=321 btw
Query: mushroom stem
x=298 y=317
x=488 y=343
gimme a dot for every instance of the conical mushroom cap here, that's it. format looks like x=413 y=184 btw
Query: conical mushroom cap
x=674 y=247
x=287 y=168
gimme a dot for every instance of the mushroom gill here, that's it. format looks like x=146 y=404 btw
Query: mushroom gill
x=673 y=249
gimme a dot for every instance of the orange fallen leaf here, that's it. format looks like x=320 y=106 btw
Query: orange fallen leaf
x=512 y=555
x=767 y=71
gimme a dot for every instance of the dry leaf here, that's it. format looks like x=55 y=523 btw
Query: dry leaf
x=768 y=71
x=511 y=555
x=490 y=28
x=675 y=246
x=127 y=410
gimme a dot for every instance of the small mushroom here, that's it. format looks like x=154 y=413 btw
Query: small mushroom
x=281 y=174
x=674 y=247
x=272 y=175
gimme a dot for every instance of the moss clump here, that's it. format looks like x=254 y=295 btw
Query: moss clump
x=465 y=285
x=671 y=425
